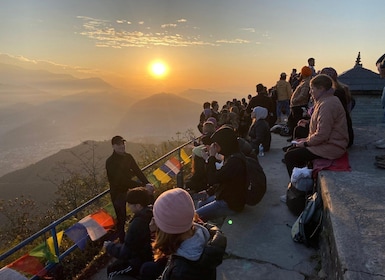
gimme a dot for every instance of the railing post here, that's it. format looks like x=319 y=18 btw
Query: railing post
x=179 y=176
x=55 y=244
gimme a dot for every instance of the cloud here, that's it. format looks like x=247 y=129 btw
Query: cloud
x=233 y=41
x=248 y=29
x=109 y=34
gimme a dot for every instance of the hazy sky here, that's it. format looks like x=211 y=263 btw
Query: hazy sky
x=211 y=44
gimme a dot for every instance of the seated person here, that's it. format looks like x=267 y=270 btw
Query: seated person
x=198 y=179
x=226 y=196
x=136 y=248
x=328 y=132
x=259 y=132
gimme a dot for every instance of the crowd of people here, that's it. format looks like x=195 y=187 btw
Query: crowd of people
x=172 y=237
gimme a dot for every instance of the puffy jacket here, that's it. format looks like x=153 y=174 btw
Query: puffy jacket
x=185 y=267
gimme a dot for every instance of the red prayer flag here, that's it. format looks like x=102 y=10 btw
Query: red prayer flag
x=28 y=264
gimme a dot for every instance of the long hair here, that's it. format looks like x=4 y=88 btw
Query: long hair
x=166 y=244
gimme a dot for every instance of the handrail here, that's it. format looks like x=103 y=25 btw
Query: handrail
x=52 y=226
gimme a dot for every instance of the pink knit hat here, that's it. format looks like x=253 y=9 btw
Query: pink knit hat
x=174 y=211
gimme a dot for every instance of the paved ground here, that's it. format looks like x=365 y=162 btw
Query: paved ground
x=259 y=239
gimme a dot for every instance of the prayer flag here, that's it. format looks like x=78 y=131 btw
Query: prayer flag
x=109 y=208
x=78 y=234
x=174 y=165
x=10 y=274
x=103 y=218
x=28 y=264
x=94 y=229
x=153 y=180
x=185 y=158
x=161 y=176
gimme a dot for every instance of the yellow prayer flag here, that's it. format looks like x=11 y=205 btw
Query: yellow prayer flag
x=161 y=176
x=186 y=159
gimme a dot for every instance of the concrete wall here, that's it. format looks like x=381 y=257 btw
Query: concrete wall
x=368 y=110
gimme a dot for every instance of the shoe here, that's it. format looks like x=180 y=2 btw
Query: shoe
x=283 y=161
x=282 y=198
x=380 y=164
x=286 y=148
x=289 y=139
x=380 y=157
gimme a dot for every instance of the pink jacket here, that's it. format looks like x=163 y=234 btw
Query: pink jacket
x=328 y=131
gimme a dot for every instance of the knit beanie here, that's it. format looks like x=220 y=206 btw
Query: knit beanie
x=174 y=211
x=306 y=71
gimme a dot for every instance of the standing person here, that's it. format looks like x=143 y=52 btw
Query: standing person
x=328 y=131
x=294 y=79
x=381 y=70
x=284 y=92
x=194 y=250
x=263 y=100
x=205 y=114
x=226 y=196
x=215 y=110
x=136 y=248
x=121 y=169
x=259 y=132
x=299 y=100
x=311 y=64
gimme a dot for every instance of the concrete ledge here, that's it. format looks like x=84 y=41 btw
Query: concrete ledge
x=353 y=237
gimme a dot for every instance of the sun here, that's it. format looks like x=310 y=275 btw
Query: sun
x=158 y=69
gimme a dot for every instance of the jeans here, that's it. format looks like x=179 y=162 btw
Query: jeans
x=285 y=104
x=211 y=208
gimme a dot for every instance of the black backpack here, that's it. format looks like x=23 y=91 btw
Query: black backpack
x=307 y=227
x=256 y=180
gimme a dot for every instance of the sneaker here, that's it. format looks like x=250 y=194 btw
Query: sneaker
x=380 y=157
x=380 y=164
x=282 y=198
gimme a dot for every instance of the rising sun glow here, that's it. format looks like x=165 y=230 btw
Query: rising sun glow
x=158 y=69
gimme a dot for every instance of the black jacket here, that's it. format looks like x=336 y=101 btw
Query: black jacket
x=120 y=171
x=137 y=242
x=229 y=182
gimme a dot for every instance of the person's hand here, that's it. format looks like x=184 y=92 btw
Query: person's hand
x=152 y=225
x=203 y=195
x=105 y=244
x=150 y=188
x=213 y=149
x=302 y=122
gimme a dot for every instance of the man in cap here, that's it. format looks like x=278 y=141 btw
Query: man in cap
x=284 y=92
x=121 y=169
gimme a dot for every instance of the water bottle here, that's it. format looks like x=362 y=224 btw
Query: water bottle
x=261 y=153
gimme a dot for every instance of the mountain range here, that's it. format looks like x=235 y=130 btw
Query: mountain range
x=42 y=112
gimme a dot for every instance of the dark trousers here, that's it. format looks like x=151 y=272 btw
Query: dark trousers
x=298 y=157
x=296 y=114
x=119 y=203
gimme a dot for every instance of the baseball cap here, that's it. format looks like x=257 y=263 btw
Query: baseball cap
x=117 y=140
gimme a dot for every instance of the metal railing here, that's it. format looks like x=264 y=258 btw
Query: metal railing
x=52 y=227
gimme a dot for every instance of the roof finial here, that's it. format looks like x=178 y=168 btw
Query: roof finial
x=358 y=60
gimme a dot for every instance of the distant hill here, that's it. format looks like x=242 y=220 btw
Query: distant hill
x=200 y=96
x=34 y=180
x=160 y=117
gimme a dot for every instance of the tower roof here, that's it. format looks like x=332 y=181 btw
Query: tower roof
x=361 y=79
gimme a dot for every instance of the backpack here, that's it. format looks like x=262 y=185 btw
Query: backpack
x=296 y=194
x=307 y=227
x=256 y=180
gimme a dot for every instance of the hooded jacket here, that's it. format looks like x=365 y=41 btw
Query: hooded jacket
x=259 y=132
x=229 y=182
x=198 y=256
